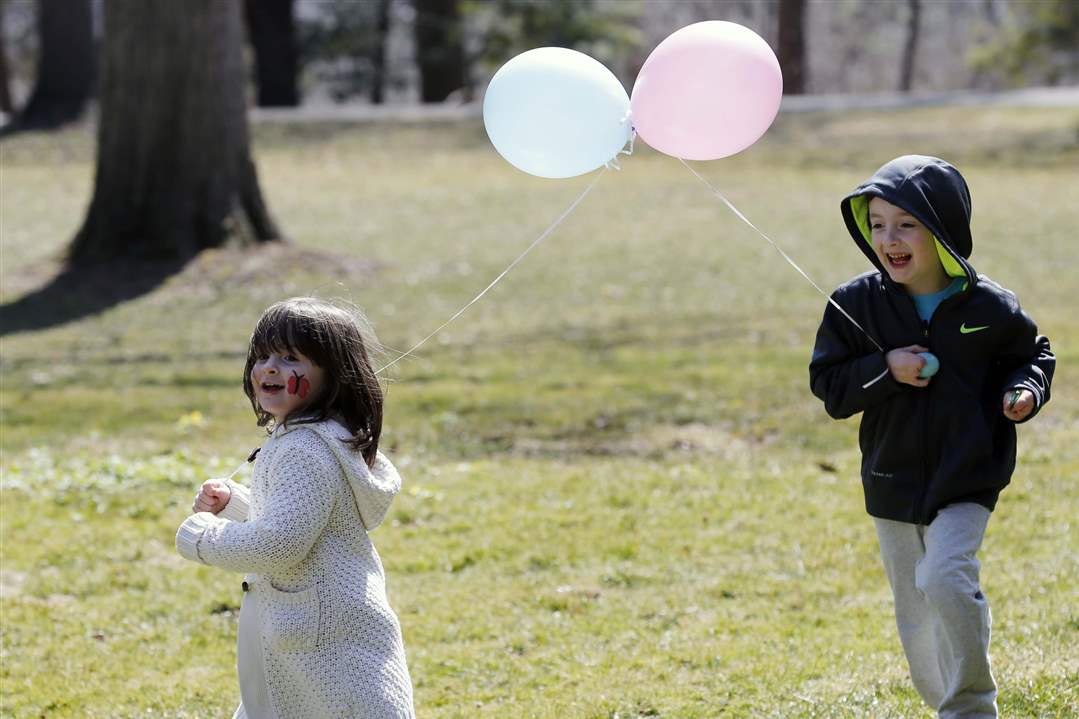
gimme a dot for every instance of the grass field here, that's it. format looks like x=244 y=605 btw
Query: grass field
x=620 y=499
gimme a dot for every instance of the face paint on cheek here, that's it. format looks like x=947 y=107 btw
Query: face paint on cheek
x=298 y=384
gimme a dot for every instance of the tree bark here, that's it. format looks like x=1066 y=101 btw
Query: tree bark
x=273 y=37
x=378 y=52
x=174 y=169
x=5 y=85
x=910 y=48
x=439 y=48
x=792 y=46
x=65 y=73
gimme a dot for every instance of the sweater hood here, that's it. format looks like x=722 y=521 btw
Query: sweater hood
x=931 y=190
x=373 y=488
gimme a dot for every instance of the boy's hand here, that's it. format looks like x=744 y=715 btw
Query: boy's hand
x=212 y=497
x=905 y=364
x=1018 y=403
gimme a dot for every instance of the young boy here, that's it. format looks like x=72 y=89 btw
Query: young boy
x=936 y=451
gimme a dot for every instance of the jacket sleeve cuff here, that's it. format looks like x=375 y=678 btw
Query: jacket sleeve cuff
x=190 y=533
x=875 y=377
x=1038 y=397
x=239 y=503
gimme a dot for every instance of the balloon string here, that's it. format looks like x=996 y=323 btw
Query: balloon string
x=234 y=472
x=787 y=257
x=504 y=272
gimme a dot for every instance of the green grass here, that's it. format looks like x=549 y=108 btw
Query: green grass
x=621 y=499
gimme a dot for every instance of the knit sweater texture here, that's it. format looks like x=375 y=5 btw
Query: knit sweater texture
x=331 y=643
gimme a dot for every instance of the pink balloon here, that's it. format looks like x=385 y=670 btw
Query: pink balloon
x=708 y=91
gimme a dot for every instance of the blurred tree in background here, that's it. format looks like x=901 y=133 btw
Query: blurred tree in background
x=174 y=170
x=791 y=46
x=343 y=47
x=910 y=47
x=447 y=47
x=1041 y=45
x=609 y=32
x=440 y=50
x=7 y=107
x=66 y=66
x=272 y=31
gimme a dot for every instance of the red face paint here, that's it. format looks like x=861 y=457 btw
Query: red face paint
x=298 y=384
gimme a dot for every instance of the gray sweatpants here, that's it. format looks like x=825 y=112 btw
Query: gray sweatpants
x=942 y=615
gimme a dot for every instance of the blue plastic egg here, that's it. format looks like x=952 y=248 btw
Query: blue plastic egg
x=932 y=364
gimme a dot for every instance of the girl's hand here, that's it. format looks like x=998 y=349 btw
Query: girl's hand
x=905 y=364
x=1018 y=403
x=212 y=497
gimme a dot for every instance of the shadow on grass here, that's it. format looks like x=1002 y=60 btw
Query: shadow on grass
x=76 y=293
x=79 y=292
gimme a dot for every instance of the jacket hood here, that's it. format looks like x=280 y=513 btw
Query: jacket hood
x=373 y=488
x=931 y=190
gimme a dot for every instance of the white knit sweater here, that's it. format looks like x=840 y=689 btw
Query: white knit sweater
x=331 y=643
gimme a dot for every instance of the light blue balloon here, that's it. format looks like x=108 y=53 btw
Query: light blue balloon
x=555 y=112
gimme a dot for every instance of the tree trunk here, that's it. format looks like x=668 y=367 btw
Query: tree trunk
x=273 y=37
x=439 y=48
x=5 y=87
x=174 y=169
x=910 y=49
x=792 y=46
x=378 y=51
x=65 y=72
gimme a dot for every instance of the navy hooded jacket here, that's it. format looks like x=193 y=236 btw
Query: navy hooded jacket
x=926 y=448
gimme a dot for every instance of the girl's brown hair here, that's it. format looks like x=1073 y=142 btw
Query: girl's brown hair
x=340 y=343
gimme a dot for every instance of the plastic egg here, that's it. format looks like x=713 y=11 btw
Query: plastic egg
x=932 y=364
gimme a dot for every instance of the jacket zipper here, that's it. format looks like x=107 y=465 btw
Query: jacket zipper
x=927 y=412
x=916 y=510
x=926 y=464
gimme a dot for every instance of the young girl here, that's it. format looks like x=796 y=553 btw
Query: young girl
x=317 y=637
